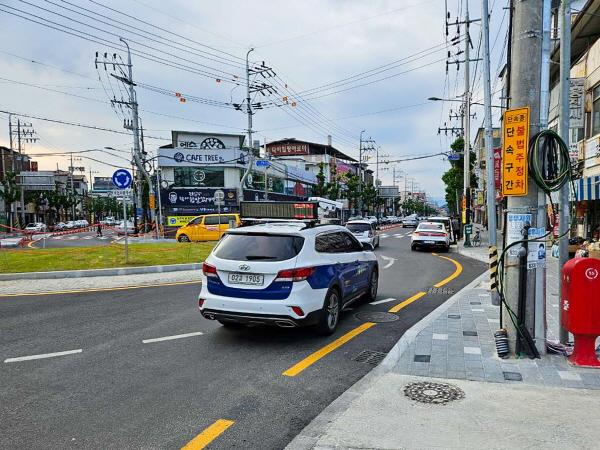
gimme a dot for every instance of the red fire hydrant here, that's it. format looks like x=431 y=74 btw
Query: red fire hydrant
x=580 y=308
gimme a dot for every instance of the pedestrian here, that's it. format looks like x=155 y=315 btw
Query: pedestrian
x=99 y=230
x=456 y=227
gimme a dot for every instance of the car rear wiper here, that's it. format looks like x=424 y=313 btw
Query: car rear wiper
x=255 y=257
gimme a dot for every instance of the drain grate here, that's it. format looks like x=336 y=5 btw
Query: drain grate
x=433 y=393
x=377 y=317
x=440 y=291
x=370 y=357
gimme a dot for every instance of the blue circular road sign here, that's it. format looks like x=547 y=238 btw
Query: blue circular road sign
x=122 y=178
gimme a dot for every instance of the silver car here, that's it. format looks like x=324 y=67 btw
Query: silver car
x=365 y=231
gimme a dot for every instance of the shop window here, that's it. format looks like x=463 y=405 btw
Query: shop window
x=596 y=110
x=199 y=176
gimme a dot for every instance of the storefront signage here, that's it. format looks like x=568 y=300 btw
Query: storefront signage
x=592 y=152
x=184 y=140
x=171 y=157
x=288 y=149
x=195 y=197
x=498 y=169
x=515 y=145
x=577 y=103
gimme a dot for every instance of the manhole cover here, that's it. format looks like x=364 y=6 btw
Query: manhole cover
x=370 y=357
x=441 y=291
x=433 y=393
x=377 y=317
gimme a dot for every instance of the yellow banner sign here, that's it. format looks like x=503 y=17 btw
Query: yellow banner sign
x=515 y=147
x=178 y=221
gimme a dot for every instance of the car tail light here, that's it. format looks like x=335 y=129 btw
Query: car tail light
x=299 y=274
x=298 y=310
x=200 y=303
x=209 y=270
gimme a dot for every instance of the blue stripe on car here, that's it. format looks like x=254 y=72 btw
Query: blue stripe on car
x=278 y=290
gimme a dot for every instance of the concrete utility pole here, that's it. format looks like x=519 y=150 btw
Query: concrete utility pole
x=525 y=82
x=21 y=170
x=249 y=116
x=467 y=125
x=360 y=172
x=563 y=126
x=489 y=154
x=71 y=168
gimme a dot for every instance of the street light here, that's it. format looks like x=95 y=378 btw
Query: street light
x=437 y=99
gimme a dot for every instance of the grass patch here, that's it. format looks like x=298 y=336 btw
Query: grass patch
x=76 y=258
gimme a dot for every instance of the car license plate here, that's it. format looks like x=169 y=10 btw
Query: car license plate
x=430 y=242
x=246 y=278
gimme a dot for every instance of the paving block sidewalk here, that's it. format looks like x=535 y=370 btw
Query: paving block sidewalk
x=507 y=402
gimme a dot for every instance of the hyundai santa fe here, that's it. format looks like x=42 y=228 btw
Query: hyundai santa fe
x=287 y=275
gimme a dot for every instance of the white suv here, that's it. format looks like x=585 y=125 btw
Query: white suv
x=364 y=231
x=286 y=275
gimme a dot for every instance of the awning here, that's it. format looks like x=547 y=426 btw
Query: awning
x=587 y=188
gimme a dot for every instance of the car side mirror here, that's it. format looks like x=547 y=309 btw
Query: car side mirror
x=368 y=247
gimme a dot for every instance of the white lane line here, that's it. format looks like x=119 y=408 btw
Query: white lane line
x=42 y=356
x=396 y=234
x=385 y=300
x=169 y=338
x=389 y=260
x=383 y=236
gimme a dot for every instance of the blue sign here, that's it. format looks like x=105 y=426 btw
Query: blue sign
x=262 y=163
x=453 y=157
x=122 y=178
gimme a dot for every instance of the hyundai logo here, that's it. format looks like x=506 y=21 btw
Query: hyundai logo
x=244 y=267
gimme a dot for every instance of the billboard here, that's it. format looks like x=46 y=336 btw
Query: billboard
x=515 y=146
x=196 y=198
x=288 y=149
x=187 y=140
x=175 y=157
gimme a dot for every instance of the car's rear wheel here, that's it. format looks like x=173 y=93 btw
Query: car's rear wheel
x=413 y=247
x=330 y=314
x=183 y=238
x=373 y=286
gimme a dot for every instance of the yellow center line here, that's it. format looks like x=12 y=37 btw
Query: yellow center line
x=456 y=273
x=119 y=288
x=208 y=435
x=407 y=302
x=311 y=359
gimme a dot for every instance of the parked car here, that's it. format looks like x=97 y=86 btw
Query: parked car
x=364 y=231
x=410 y=221
x=110 y=221
x=209 y=227
x=120 y=227
x=81 y=224
x=36 y=227
x=372 y=219
x=447 y=222
x=430 y=235
x=59 y=226
x=286 y=275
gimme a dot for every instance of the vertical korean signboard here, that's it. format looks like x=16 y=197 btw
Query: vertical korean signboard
x=515 y=143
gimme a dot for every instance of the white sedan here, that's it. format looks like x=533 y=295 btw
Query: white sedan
x=430 y=235
x=365 y=231
x=35 y=227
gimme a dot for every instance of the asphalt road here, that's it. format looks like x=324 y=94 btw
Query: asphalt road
x=120 y=392
x=82 y=239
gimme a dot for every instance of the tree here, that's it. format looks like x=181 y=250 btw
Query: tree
x=10 y=193
x=320 y=189
x=352 y=191
x=453 y=178
x=369 y=197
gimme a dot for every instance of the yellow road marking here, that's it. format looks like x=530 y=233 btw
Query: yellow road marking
x=119 y=288
x=311 y=359
x=407 y=302
x=208 y=435
x=456 y=273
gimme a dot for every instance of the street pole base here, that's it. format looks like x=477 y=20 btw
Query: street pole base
x=584 y=352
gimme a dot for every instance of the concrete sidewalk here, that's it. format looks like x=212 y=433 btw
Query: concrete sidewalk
x=544 y=403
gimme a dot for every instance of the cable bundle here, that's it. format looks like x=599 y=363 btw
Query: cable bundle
x=549 y=161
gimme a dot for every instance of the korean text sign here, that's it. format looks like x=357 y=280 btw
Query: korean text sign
x=515 y=146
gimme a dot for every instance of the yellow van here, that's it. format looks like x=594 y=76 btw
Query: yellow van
x=206 y=227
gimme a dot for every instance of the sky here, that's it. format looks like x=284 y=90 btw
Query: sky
x=348 y=66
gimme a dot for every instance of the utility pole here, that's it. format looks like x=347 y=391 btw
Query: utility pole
x=489 y=153
x=20 y=173
x=467 y=127
x=525 y=83
x=564 y=86
x=252 y=88
x=360 y=172
x=134 y=123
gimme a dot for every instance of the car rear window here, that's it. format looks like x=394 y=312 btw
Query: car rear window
x=258 y=247
x=358 y=226
x=431 y=226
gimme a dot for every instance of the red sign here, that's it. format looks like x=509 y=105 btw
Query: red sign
x=498 y=168
x=288 y=149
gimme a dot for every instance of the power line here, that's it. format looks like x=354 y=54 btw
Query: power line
x=75 y=124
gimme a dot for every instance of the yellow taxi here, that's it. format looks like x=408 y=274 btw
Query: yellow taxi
x=209 y=227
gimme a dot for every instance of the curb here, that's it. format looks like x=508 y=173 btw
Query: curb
x=311 y=434
x=98 y=272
